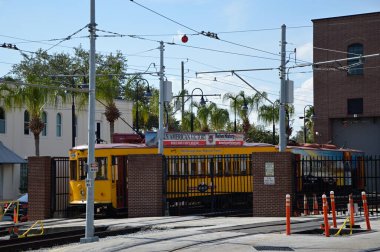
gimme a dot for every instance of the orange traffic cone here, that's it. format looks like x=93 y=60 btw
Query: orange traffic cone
x=15 y=215
x=305 y=205
x=315 y=205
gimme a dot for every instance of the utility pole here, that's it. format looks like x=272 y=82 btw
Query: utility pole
x=161 y=103
x=183 y=90
x=282 y=143
x=91 y=165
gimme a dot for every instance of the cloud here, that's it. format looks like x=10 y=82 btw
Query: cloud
x=303 y=96
x=305 y=52
x=236 y=14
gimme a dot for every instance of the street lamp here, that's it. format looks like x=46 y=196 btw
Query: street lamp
x=304 y=121
x=147 y=94
x=202 y=103
x=73 y=120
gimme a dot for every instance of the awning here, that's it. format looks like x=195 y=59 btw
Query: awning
x=9 y=157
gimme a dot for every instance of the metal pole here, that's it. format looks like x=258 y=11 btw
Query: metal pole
x=191 y=114
x=137 y=106
x=183 y=89
x=282 y=143
x=235 y=116
x=161 y=103
x=89 y=233
x=73 y=118
x=274 y=127
x=304 y=124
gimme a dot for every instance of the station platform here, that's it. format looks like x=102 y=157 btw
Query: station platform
x=197 y=233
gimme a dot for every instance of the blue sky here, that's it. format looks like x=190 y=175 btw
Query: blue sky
x=252 y=24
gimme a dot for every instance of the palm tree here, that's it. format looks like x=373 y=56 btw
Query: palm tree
x=108 y=85
x=244 y=105
x=309 y=124
x=203 y=114
x=267 y=113
x=33 y=97
x=233 y=105
x=219 y=118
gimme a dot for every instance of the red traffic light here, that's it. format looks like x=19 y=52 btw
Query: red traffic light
x=184 y=39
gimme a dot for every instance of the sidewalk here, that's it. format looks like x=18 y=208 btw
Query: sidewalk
x=206 y=234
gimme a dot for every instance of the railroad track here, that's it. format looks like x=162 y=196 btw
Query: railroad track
x=61 y=238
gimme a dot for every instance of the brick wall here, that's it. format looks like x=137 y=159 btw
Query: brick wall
x=145 y=187
x=269 y=200
x=39 y=188
x=333 y=88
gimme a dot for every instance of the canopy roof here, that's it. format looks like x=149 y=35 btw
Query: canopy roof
x=9 y=157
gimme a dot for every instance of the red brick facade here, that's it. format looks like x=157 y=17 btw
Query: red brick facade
x=39 y=188
x=145 y=186
x=332 y=88
x=269 y=199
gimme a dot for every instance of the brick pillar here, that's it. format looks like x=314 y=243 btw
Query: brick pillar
x=145 y=185
x=39 y=188
x=273 y=178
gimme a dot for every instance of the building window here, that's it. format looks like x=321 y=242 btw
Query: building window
x=2 y=120
x=355 y=65
x=355 y=106
x=44 y=120
x=26 y=122
x=59 y=125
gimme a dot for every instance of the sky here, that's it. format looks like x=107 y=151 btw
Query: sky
x=249 y=33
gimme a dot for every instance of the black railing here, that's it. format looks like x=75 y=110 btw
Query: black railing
x=59 y=186
x=318 y=176
x=208 y=185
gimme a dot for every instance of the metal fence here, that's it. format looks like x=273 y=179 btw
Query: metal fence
x=59 y=186
x=208 y=185
x=317 y=176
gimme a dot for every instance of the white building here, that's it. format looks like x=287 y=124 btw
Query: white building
x=56 y=139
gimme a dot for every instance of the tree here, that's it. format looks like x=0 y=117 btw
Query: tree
x=37 y=71
x=203 y=114
x=219 y=118
x=309 y=124
x=243 y=106
x=267 y=113
x=110 y=74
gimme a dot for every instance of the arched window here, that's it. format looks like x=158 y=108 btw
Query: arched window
x=44 y=120
x=59 y=125
x=26 y=122
x=2 y=120
x=355 y=65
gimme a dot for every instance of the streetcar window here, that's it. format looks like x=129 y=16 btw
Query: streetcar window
x=82 y=168
x=185 y=166
x=193 y=166
x=227 y=166
x=202 y=166
x=114 y=169
x=235 y=165
x=243 y=165
x=219 y=166
x=73 y=170
x=102 y=168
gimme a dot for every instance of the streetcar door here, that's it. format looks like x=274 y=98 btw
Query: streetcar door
x=121 y=182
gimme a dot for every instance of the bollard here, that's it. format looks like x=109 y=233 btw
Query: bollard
x=332 y=199
x=325 y=217
x=352 y=210
x=305 y=205
x=15 y=215
x=366 y=214
x=315 y=205
x=287 y=206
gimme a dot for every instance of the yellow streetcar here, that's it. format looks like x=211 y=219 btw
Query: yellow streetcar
x=196 y=166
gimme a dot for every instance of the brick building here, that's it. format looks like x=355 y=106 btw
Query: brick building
x=347 y=93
